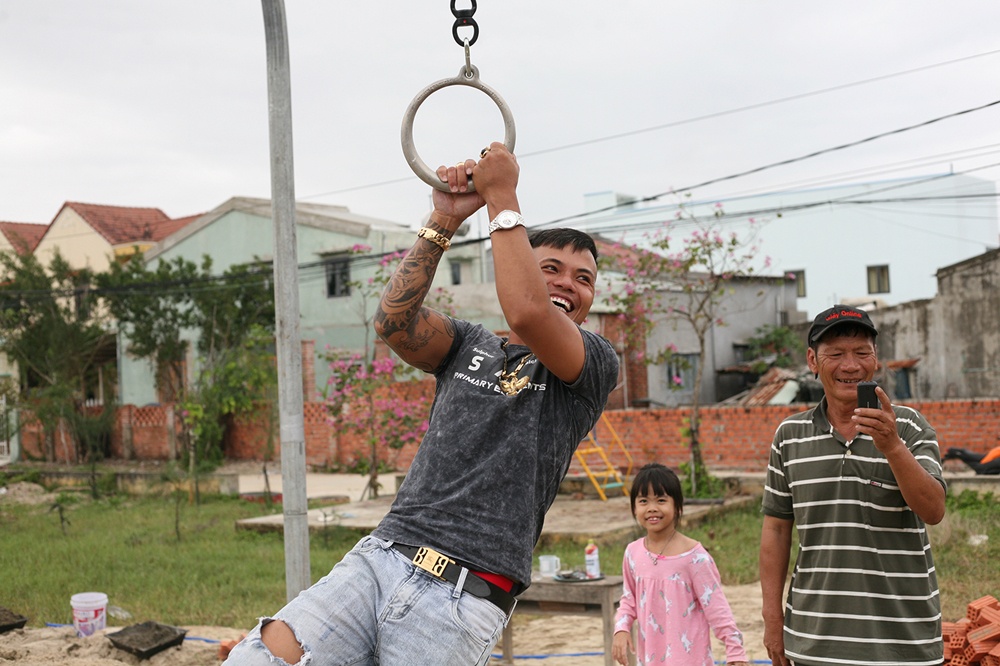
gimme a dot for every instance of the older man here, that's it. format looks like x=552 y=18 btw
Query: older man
x=859 y=484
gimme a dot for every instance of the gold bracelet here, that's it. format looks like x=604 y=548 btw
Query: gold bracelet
x=440 y=240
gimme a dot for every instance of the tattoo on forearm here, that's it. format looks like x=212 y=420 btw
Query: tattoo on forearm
x=401 y=319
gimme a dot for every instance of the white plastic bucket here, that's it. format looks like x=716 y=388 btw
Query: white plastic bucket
x=90 y=612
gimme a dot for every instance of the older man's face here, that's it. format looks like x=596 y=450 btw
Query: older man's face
x=841 y=361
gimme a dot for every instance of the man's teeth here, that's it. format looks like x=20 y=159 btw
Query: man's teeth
x=558 y=302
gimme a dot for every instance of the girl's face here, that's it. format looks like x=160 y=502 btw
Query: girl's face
x=655 y=513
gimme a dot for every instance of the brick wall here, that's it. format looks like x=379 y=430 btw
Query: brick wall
x=736 y=438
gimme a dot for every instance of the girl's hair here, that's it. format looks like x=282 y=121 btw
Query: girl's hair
x=659 y=480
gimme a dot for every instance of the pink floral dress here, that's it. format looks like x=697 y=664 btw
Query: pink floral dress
x=676 y=601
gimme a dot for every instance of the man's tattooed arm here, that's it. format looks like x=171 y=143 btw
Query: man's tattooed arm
x=419 y=335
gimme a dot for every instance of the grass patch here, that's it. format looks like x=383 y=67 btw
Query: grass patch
x=965 y=571
x=216 y=575
x=130 y=550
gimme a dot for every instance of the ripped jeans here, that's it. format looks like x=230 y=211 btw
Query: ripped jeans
x=376 y=607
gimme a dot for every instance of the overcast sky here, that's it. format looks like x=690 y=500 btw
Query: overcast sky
x=164 y=104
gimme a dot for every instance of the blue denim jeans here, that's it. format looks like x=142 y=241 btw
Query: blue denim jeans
x=376 y=607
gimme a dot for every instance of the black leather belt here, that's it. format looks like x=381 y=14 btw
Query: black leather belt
x=445 y=568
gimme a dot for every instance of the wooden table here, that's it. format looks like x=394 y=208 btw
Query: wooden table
x=548 y=597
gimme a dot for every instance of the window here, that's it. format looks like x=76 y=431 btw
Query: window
x=902 y=389
x=878 y=279
x=681 y=369
x=456 y=272
x=800 y=283
x=338 y=276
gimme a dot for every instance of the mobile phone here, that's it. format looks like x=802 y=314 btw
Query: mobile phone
x=866 y=395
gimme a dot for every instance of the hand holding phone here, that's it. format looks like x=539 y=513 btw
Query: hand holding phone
x=866 y=395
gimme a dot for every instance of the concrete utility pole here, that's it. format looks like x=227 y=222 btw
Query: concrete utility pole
x=286 y=302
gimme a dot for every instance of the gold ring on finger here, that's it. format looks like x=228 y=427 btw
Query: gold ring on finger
x=482 y=153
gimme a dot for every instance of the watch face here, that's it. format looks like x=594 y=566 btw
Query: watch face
x=506 y=220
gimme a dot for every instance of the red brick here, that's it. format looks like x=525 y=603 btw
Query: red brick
x=990 y=632
x=973 y=609
x=978 y=649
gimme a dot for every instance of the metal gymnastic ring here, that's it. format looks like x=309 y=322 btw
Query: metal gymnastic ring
x=424 y=172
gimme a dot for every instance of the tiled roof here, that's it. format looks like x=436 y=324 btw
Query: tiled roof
x=170 y=226
x=120 y=225
x=24 y=236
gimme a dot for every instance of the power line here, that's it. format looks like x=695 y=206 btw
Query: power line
x=875 y=170
x=310 y=274
x=686 y=121
x=774 y=165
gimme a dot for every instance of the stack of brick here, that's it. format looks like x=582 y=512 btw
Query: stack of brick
x=975 y=639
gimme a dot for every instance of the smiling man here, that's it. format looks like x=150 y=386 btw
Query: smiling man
x=859 y=485
x=436 y=581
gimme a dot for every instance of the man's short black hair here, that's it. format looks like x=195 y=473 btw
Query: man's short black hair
x=563 y=237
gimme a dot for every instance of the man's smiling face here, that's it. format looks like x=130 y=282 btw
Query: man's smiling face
x=571 y=277
x=841 y=362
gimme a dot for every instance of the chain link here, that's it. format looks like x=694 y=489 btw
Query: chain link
x=463 y=19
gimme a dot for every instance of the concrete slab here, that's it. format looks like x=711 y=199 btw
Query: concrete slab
x=568 y=519
x=318 y=486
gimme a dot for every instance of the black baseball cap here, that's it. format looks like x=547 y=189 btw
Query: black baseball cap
x=836 y=316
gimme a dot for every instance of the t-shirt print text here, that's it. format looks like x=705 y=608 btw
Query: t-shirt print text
x=483 y=382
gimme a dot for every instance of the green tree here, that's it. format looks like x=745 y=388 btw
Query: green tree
x=53 y=330
x=232 y=318
x=686 y=282
x=774 y=345
x=153 y=308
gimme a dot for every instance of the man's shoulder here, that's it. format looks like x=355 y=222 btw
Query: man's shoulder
x=598 y=342
x=907 y=411
x=467 y=332
x=805 y=418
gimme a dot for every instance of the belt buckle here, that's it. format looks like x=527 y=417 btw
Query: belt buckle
x=432 y=561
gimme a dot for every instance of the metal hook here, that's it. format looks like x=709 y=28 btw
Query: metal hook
x=468 y=60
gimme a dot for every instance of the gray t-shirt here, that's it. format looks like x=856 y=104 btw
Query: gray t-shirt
x=490 y=464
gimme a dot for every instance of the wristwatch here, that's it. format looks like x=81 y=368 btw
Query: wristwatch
x=506 y=219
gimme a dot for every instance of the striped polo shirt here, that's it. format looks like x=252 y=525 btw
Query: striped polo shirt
x=864 y=590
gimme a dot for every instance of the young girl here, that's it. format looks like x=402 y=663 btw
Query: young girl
x=672 y=586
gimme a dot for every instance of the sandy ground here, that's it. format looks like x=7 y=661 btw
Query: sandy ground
x=569 y=640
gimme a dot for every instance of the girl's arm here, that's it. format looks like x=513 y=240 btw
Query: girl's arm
x=708 y=587
x=625 y=615
x=622 y=641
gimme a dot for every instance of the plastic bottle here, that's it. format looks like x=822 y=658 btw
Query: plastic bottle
x=592 y=560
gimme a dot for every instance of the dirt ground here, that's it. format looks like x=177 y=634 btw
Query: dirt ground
x=552 y=640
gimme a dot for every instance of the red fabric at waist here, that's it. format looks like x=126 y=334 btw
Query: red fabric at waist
x=504 y=583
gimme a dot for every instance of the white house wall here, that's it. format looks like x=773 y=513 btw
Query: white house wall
x=835 y=243
x=750 y=305
x=78 y=243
